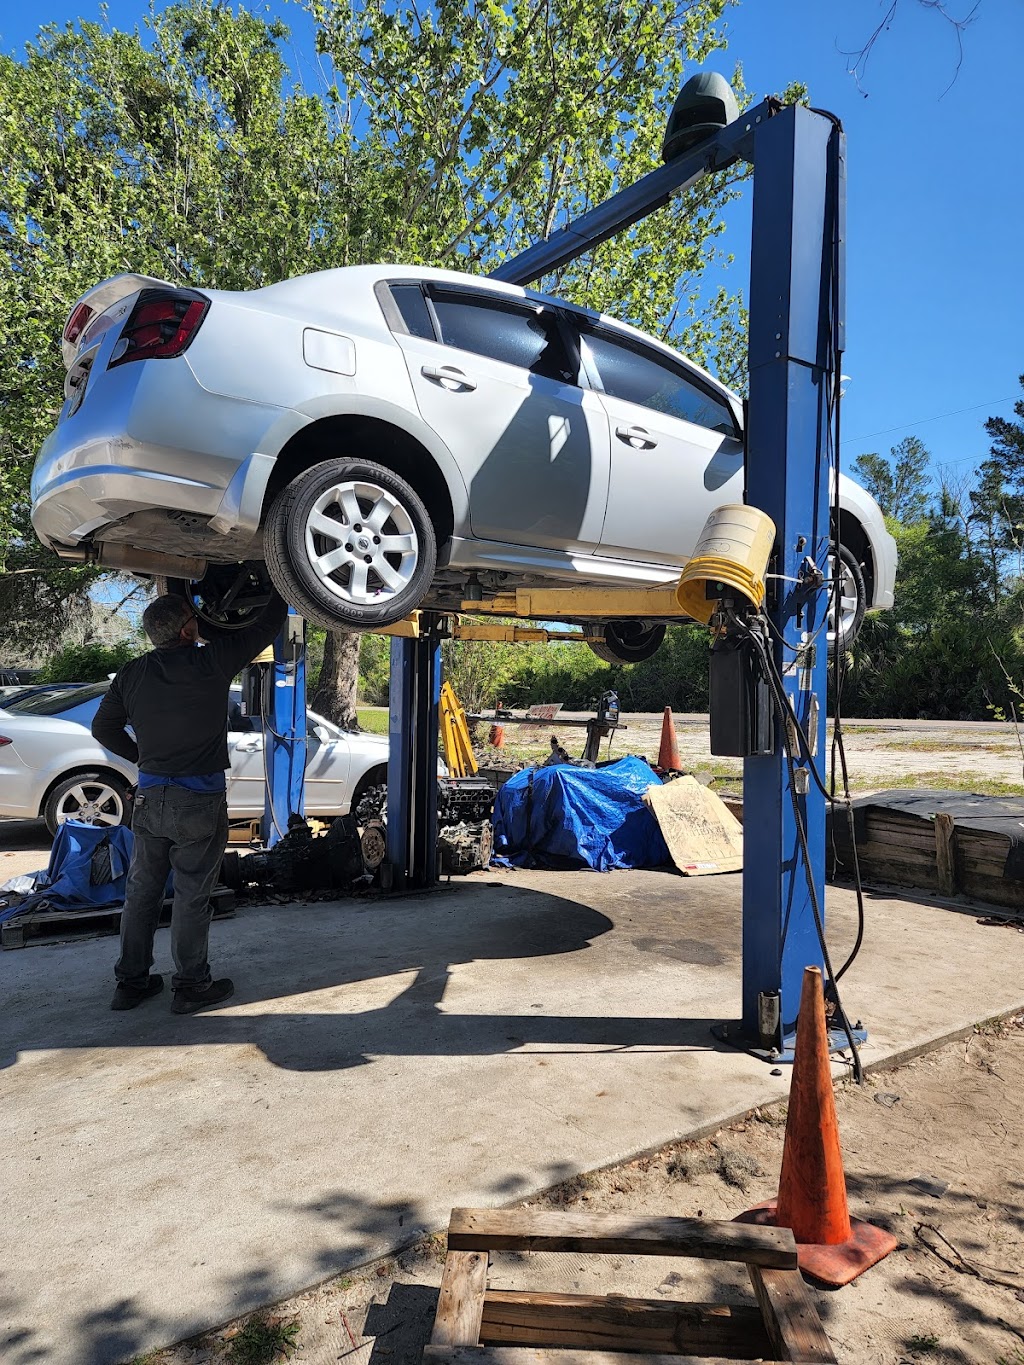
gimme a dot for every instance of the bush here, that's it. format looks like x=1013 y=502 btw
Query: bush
x=86 y=663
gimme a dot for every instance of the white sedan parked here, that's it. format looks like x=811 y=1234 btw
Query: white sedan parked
x=51 y=767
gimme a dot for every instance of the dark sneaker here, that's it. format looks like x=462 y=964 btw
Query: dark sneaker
x=188 y=999
x=127 y=997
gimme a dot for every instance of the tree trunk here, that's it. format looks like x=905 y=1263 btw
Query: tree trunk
x=334 y=696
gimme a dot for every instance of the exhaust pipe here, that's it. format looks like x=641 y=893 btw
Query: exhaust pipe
x=129 y=559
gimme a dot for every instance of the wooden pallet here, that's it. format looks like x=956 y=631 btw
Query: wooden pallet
x=899 y=848
x=48 y=925
x=475 y=1325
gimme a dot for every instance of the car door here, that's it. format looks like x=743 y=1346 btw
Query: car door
x=676 y=452
x=497 y=379
x=246 y=777
x=328 y=768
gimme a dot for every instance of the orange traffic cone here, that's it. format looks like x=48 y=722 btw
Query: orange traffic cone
x=497 y=736
x=668 y=752
x=831 y=1246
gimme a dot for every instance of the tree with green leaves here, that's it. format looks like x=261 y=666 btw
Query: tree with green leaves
x=433 y=133
x=899 y=482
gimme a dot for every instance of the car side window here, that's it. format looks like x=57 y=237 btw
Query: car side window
x=526 y=337
x=413 y=308
x=637 y=375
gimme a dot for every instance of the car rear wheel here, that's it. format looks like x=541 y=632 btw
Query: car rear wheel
x=227 y=598
x=94 y=798
x=350 y=544
x=848 y=600
x=624 y=642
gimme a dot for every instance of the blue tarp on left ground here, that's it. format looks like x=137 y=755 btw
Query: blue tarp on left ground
x=88 y=870
x=568 y=817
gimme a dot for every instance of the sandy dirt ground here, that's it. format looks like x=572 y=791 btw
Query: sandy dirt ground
x=972 y=755
x=932 y=1152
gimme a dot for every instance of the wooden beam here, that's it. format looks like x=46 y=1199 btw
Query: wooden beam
x=460 y=1304
x=531 y=1355
x=945 y=853
x=515 y=1318
x=544 y=1230
x=790 y=1316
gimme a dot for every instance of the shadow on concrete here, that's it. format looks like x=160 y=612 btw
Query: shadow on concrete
x=22 y=836
x=306 y=949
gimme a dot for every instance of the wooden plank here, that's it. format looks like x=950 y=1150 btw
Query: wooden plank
x=531 y=1355
x=790 y=1316
x=460 y=1304
x=945 y=853
x=515 y=1318
x=549 y=1230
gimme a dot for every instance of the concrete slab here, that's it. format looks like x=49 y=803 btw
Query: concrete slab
x=381 y=1063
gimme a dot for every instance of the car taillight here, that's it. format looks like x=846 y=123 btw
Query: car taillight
x=4 y=740
x=77 y=323
x=160 y=326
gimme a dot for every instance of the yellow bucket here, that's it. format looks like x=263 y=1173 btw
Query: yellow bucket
x=733 y=549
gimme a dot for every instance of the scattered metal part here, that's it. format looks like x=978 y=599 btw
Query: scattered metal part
x=887 y=1099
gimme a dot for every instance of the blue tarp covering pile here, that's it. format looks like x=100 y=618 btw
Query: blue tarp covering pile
x=566 y=817
x=88 y=870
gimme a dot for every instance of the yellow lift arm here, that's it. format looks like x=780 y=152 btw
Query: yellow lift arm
x=458 y=750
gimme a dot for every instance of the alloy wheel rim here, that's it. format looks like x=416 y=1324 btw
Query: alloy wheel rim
x=93 y=803
x=361 y=542
x=848 y=600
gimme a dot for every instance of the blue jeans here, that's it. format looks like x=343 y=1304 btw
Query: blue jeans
x=184 y=832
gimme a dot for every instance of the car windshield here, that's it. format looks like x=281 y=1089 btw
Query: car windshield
x=56 y=700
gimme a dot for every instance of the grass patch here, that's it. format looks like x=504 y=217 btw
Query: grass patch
x=734 y=1168
x=263 y=1340
x=373 y=719
x=961 y=782
x=929 y=746
x=921 y=1345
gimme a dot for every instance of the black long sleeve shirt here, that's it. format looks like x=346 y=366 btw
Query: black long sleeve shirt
x=176 y=700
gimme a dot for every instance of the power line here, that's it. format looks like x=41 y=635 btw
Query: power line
x=992 y=403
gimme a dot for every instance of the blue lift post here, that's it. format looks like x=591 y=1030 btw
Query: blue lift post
x=284 y=731
x=795 y=340
x=413 y=697
x=796 y=312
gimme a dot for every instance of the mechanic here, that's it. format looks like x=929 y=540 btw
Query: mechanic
x=176 y=700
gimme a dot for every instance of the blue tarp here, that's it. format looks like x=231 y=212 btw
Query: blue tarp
x=568 y=817
x=81 y=855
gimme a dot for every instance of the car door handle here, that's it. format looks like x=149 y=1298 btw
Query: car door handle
x=448 y=374
x=249 y=747
x=637 y=437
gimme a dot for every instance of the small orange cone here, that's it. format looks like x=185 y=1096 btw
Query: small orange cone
x=668 y=753
x=831 y=1246
x=497 y=736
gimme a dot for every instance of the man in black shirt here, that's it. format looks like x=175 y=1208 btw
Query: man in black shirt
x=176 y=700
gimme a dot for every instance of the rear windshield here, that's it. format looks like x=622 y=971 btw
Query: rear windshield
x=52 y=703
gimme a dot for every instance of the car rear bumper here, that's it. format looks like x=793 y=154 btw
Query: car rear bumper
x=109 y=460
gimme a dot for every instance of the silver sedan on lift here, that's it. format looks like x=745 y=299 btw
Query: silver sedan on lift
x=383 y=438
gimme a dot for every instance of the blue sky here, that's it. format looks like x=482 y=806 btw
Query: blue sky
x=935 y=286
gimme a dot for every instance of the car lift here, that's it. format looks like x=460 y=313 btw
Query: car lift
x=795 y=340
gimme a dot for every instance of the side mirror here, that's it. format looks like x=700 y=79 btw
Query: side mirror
x=322 y=733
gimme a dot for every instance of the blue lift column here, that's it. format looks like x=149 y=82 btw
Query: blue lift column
x=796 y=320
x=284 y=730
x=414 y=694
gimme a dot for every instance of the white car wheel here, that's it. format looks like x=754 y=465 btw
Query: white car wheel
x=350 y=544
x=89 y=797
x=361 y=542
x=847 y=598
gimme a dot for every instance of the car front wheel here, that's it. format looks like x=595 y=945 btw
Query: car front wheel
x=94 y=798
x=349 y=543
x=848 y=599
